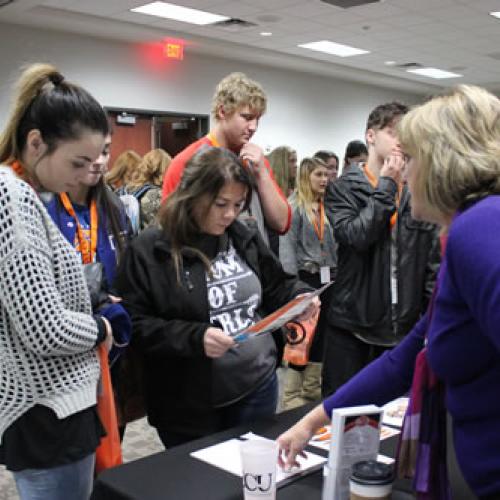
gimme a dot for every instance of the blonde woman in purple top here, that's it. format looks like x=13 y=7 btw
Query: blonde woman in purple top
x=452 y=147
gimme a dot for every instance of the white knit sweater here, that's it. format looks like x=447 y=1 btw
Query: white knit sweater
x=47 y=332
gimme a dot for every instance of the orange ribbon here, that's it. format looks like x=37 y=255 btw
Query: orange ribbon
x=18 y=168
x=319 y=225
x=374 y=181
x=87 y=249
x=213 y=140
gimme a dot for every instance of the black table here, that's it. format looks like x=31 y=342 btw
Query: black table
x=174 y=474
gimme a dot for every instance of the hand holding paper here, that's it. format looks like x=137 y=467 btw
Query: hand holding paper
x=311 y=310
x=294 y=309
x=216 y=342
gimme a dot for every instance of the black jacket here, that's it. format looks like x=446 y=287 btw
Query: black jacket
x=361 y=299
x=169 y=322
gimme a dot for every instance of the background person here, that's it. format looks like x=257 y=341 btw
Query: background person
x=356 y=153
x=93 y=220
x=453 y=173
x=192 y=284
x=283 y=163
x=331 y=161
x=145 y=184
x=119 y=174
x=387 y=261
x=309 y=250
x=49 y=428
x=237 y=106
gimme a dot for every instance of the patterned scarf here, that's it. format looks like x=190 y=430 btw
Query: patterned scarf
x=422 y=446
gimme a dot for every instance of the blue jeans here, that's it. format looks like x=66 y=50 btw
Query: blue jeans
x=258 y=404
x=69 y=481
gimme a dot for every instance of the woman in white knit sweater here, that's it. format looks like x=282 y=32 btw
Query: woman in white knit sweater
x=49 y=427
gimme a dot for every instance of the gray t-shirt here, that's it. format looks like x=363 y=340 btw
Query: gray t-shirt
x=234 y=295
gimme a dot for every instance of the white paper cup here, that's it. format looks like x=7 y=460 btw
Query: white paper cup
x=258 y=462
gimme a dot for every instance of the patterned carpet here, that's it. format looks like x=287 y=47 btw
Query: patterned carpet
x=140 y=440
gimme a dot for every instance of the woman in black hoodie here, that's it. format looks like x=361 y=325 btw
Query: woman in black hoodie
x=190 y=287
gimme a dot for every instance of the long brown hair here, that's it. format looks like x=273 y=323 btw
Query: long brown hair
x=205 y=174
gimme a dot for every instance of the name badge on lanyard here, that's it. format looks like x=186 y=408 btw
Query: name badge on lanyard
x=324 y=274
x=87 y=248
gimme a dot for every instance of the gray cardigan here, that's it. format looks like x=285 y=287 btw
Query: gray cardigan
x=300 y=248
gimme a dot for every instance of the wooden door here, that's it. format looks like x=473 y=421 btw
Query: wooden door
x=138 y=137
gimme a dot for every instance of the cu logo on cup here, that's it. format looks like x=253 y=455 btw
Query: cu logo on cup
x=259 y=482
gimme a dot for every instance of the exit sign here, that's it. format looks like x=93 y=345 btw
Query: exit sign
x=174 y=49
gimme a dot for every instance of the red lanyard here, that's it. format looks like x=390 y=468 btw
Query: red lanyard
x=374 y=181
x=319 y=225
x=87 y=249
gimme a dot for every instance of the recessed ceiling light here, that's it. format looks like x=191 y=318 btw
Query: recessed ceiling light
x=266 y=33
x=495 y=14
x=390 y=63
x=336 y=49
x=434 y=73
x=179 y=13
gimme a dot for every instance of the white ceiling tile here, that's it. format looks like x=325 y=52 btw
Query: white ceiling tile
x=398 y=36
x=194 y=4
x=339 y=18
x=457 y=12
x=481 y=5
x=271 y=4
x=136 y=18
x=407 y=20
x=422 y=6
x=442 y=33
x=235 y=9
x=378 y=10
x=313 y=8
x=430 y=29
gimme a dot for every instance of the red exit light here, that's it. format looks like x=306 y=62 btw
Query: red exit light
x=174 y=49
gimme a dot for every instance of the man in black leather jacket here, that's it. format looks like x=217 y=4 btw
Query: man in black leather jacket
x=387 y=261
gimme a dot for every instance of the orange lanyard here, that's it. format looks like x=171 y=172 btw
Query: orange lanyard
x=319 y=226
x=18 y=168
x=374 y=181
x=213 y=140
x=87 y=249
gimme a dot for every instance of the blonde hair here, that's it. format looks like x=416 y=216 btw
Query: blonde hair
x=455 y=139
x=235 y=91
x=150 y=169
x=123 y=167
x=305 y=197
x=279 y=159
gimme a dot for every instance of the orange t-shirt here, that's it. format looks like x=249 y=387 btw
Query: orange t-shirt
x=176 y=168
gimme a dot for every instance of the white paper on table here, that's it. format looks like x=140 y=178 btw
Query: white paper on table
x=226 y=456
x=394 y=412
x=385 y=433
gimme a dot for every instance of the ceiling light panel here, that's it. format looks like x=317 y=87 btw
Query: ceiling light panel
x=336 y=49
x=179 y=13
x=436 y=73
